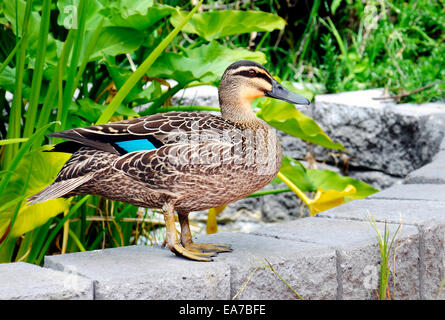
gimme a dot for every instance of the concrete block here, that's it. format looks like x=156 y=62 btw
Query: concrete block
x=143 y=272
x=432 y=261
x=428 y=192
x=433 y=173
x=358 y=254
x=24 y=281
x=427 y=216
x=310 y=269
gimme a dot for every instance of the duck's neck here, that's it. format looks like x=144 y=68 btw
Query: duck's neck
x=238 y=114
x=236 y=109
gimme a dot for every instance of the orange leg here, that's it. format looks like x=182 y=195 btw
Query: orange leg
x=172 y=241
x=187 y=241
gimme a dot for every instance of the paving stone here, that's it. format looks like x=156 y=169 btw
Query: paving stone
x=143 y=272
x=358 y=252
x=24 y=281
x=310 y=269
x=427 y=216
x=433 y=173
x=428 y=192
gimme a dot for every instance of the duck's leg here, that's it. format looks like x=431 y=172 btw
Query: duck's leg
x=187 y=241
x=172 y=241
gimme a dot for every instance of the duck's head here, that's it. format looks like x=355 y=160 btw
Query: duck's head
x=245 y=80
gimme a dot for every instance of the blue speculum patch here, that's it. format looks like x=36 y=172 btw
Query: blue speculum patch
x=136 y=145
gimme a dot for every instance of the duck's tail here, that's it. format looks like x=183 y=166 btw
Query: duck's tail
x=59 y=189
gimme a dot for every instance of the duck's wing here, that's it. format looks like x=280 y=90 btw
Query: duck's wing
x=140 y=134
x=158 y=147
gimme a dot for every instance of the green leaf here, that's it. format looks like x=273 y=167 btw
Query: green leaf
x=285 y=117
x=53 y=46
x=92 y=111
x=297 y=174
x=117 y=40
x=7 y=81
x=44 y=167
x=222 y=23
x=332 y=189
x=150 y=93
x=68 y=13
x=205 y=63
x=330 y=180
x=136 y=14
x=15 y=16
x=334 y=6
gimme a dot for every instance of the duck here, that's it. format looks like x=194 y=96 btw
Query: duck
x=179 y=162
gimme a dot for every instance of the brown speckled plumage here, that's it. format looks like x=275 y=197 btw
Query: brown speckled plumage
x=199 y=161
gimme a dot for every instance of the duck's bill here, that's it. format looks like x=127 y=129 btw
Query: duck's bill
x=279 y=92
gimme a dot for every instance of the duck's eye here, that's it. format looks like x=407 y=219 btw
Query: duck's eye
x=252 y=72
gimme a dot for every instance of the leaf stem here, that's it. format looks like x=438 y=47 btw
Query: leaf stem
x=294 y=188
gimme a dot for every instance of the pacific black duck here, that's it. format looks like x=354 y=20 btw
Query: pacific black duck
x=179 y=161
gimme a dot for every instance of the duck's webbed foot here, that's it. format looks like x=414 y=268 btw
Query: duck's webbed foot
x=187 y=241
x=191 y=254
x=172 y=241
x=207 y=247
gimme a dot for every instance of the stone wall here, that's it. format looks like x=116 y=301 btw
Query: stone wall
x=334 y=255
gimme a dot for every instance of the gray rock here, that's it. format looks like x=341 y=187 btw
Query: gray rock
x=389 y=137
x=24 y=281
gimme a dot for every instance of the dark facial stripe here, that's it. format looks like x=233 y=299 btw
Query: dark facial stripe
x=259 y=74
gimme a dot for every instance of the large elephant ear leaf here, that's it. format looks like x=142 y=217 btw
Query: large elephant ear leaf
x=35 y=171
x=205 y=63
x=332 y=189
x=330 y=180
x=217 y=24
x=285 y=117
x=136 y=14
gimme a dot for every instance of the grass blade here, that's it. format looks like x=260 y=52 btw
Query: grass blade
x=75 y=55
x=10 y=141
x=11 y=55
x=38 y=70
x=15 y=116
